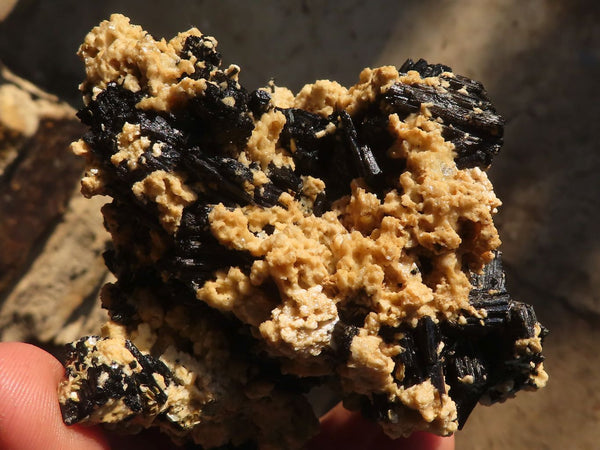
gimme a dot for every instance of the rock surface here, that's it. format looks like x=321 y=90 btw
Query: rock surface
x=50 y=265
x=540 y=62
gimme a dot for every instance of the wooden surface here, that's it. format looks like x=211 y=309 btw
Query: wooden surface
x=51 y=238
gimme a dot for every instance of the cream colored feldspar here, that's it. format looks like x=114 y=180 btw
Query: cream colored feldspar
x=169 y=193
x=365 y=250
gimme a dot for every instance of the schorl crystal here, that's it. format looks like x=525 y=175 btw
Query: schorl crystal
x=265 y=243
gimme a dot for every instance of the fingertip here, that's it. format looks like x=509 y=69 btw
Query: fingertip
x=341 y=428
x=421 y=440
x=30 y=415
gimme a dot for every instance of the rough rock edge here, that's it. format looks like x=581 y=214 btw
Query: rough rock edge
x=477 y=161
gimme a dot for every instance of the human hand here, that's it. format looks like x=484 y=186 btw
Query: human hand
x=347 y=430
x=30 y=417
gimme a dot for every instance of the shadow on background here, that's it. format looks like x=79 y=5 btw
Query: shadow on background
x=543 y=77
x=540 y=62
x=548 y=173
x=547 y=89
x=294 y=42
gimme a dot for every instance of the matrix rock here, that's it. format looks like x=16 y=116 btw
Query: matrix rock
x=265 y=243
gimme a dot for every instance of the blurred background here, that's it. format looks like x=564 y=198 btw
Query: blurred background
x=538 y=59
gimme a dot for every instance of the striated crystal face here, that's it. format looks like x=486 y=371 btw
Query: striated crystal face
x=265 y=243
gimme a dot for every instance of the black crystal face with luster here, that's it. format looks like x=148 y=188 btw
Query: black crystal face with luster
x=478 y=358
x=203 y=140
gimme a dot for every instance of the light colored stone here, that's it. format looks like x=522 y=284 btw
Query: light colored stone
x=540 y=62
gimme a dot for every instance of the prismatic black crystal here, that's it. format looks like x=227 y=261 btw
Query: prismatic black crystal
x=264 y=243
x=479 y=359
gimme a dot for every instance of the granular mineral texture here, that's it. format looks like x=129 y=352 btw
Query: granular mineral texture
x=265 y=243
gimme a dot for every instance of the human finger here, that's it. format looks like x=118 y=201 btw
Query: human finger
x=30 y=416
x=348 y=430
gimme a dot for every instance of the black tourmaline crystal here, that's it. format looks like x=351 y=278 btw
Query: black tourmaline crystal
x=478 y=359
x=246 y=247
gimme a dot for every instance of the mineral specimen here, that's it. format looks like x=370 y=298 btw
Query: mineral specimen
x=265 y=243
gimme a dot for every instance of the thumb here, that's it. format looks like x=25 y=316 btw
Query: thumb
x=30 y=417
